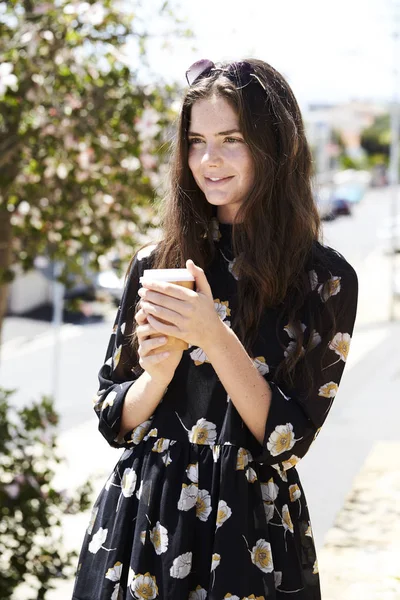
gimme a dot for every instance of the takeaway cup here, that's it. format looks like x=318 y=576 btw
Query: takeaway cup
x=179 y=277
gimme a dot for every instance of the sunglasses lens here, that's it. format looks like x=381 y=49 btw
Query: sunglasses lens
x=197 y=69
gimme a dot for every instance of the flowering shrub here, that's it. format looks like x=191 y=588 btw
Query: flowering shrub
x=31 y=509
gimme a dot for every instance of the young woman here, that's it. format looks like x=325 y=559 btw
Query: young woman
x=205 y=501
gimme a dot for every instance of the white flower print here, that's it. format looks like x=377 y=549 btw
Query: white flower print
x=140 y=490
x=167 y=460
x=281 y=439
x=261 y=556
x=277 y=578
x=269 y=491
x=123 y=328
x=242 y=459
x=222 y=308
x=231 y=597
x=315 y=568
x=251 y=475
x=198 y=594
x=203 y=505
x=329 y=288
x=291 y=348
x=114 y=573
x=341 y=344
x=117 y=593
x=110 y=481
x=98 y=540
x=294 y=492
x=92 y=520
x=216 y=234
x=315 y=339
x=128 y=482
x=290 y=462
x=143 y=537
x=232 y=268
x=313 y=277
x=216 y=559
x=109 y=399
x=192 y=472
x=204 y=432
x=144 y=587
x=216 y=452
x=188 y=497
x=290 y=330
x=329 y=390
x=269 y=510
x=199 y=357
x=139 y=432
x=223 y=513
x=131 y=576
x=181 y=566
x=286 y=519
x=308 y=531
x=160 y=445
x=126 y=454
x=261 y=365
x=152 y=433
x=159 y=538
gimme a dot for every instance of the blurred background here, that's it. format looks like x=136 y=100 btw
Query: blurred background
x=89 y=94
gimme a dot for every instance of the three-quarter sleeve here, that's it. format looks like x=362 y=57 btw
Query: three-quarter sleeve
x=298 y=411
x=120 y=368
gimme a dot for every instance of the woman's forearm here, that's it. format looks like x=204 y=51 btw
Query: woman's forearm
x=247 y=388
x=141 y=401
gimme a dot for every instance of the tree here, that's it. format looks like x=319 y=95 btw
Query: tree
x=376 y=139
x=80 y=139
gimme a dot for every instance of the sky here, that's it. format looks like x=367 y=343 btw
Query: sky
x=329 y=51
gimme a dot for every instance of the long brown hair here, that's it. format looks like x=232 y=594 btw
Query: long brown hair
x=278 y=222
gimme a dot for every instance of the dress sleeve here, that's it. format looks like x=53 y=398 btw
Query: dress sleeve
x=121 y=367
x=298 y=411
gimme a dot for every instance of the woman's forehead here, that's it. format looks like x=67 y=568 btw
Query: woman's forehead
x=213 y=114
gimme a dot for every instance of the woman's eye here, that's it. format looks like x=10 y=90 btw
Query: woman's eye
x=232 y=140
x=194 y=141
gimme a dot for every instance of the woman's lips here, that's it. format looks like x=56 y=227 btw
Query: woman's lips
x=220 y=181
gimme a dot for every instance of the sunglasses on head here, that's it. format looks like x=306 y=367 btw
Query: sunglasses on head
x=241 y=73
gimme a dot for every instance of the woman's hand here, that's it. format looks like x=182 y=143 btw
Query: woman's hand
x=191 y=314
x=159 y=366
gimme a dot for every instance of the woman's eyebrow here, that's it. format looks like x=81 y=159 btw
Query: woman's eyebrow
x=229 y=132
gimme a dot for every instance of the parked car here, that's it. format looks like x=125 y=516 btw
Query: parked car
x=341 y=207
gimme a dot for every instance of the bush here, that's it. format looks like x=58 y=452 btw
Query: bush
x=31 y=510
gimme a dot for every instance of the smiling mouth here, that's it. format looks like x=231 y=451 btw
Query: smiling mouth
x=216 y=180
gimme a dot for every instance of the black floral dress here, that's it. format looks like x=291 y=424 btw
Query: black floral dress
x=196 y=508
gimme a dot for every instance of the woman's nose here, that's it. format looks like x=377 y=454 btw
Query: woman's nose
x=212 y=156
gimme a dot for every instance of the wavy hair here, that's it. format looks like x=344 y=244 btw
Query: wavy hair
x=277 y=223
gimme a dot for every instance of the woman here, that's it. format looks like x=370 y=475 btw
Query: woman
x=205 y=501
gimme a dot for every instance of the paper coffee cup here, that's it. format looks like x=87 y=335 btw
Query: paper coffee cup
x=179 y=277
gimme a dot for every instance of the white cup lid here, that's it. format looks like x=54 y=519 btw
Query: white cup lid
x=167 y=275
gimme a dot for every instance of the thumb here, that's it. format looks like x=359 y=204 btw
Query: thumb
x=201 y=282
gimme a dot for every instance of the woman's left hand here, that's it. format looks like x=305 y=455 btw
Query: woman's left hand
x=191 y=315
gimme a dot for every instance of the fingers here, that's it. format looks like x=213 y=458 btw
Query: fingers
x=141 y=317
x=144 y=331
x=146 y=346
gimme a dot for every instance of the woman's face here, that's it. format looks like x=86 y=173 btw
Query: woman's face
x=219 y=158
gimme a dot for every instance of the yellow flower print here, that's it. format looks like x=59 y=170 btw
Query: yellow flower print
x=199 y=357
x=290 y=330
x=315 y=568
x=260 y=363
x=329 y=288
x=242 y=459
x=144 y=587
x=329 y=390
x=192 y=472
x=139 y=432
x=253 y=597
x=109 y=399
x=308 y=531
x=281 y=472
x=286 y=519
x=317 y=433
x=159 y=538
x=203 y=505
x=152 y=433
x=261 y=556
x=198 y=594
x=294 y=492
x=281 y=439
x=216 y=559
x=160 y=445
x=181 y=566
x=216 y=450
x=114 y=574
x=341 y=345
x=290 y=462
x=223 y=513
x=251 y=475
x=204 y=432
x=116 y=357
x=188 y=497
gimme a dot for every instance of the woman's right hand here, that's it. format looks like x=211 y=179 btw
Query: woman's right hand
x=158 y=366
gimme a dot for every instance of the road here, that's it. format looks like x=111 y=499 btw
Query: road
x=352 y=425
